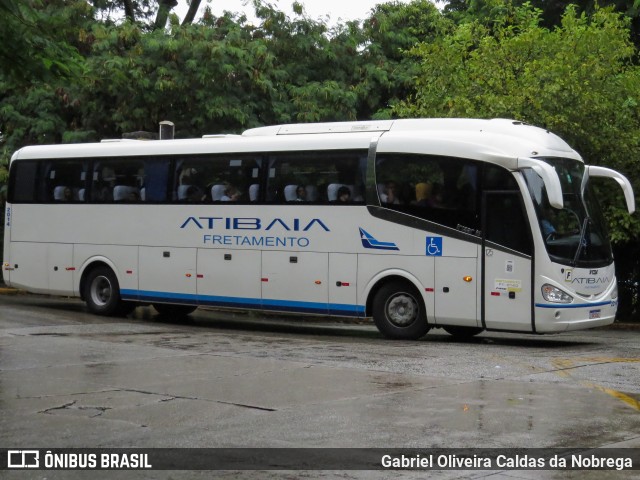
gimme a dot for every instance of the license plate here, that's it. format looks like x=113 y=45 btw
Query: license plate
x=594 y=314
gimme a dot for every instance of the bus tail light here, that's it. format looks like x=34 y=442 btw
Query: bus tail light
x=555 y=295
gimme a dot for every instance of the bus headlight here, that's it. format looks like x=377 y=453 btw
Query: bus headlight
x=555 y=295
x=614 y=292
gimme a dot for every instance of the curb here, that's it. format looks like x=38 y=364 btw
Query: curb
x=10 y=291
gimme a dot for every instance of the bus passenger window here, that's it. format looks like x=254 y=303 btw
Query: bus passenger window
x=22 y=182
x=64 y=180
x=117 y=180
x=316 y=177
x=443 y=190
x=204 y=178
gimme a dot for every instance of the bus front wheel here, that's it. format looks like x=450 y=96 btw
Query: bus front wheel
x=399 y=312
x=102 y=292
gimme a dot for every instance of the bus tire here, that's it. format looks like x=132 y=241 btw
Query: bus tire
x=399 y=312
x=171 y=310
x=101 y=292
x=462 y=332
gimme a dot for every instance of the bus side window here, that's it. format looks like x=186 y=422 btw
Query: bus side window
x=443 y=190
x=313 y=177
x=117 y=180
x=64 y=180
x=23 y=186
x=204 y=178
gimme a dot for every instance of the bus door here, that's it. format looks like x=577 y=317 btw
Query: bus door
x=507 y=263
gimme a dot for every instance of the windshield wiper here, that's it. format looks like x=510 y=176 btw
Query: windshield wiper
x=582 y=243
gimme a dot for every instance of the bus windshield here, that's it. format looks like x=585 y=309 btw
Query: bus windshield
x=575 y=235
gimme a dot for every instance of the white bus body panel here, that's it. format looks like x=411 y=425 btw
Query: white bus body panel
x=42 y=267
x=295 y=281
x=29 y=266
x=229 y=277
x=343 y=286
x=456 y=299
x=60 y=269
x=168 y=274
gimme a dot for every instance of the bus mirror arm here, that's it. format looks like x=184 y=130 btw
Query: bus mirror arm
x=622 y=181
x=549 y=177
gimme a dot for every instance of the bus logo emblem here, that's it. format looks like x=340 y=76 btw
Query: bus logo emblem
x=368 y=241
x=434 y=247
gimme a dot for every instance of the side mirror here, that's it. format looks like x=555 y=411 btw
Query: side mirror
x=549 y=177
x=622 y=181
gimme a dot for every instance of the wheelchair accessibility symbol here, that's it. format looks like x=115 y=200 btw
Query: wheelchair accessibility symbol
x=434 y=247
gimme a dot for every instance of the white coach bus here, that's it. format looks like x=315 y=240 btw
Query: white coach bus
x=463 y=224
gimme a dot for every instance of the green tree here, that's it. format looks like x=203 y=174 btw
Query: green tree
x=552 y=10
x=387 y=73
x=34 y=43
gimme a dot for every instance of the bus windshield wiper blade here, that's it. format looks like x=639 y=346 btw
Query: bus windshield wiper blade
x=581 y=244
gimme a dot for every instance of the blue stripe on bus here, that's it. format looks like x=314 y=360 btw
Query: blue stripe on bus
x=577 y=305
x=240 y=302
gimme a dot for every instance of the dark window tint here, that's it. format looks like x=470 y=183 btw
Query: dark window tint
x=222 y=178
x=335 y=177
x=22 y=188
x=444 y=190
x=506 y=222
x=64 y=180
x=497 y=178
x=118 y=181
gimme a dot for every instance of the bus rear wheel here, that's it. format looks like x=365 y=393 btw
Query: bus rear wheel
x=101 y=292
x=399 y=312
x=169 y=310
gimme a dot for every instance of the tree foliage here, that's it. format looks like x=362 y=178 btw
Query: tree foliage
x=34 y=41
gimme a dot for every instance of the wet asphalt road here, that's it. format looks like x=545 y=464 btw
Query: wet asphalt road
x=71 y=379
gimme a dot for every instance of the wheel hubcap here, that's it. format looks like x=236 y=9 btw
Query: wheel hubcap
x=101 y=291
x=402 y=310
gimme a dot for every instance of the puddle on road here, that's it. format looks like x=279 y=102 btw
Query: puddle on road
x=565 y=366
